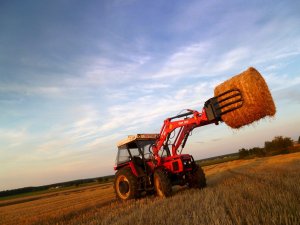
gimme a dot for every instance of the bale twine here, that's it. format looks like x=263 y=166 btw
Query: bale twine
x=258 y=102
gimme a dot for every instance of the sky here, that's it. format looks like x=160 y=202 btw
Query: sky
x=77 y=76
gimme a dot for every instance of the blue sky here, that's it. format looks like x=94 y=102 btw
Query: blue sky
x=77 y=76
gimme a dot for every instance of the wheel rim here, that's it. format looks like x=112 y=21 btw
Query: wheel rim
x=122 y=187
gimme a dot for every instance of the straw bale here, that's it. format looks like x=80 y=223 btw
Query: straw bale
x=258 y=102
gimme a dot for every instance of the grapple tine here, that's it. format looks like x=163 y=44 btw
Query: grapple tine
x=228 y=101
x=223 y=103
x=231 y=96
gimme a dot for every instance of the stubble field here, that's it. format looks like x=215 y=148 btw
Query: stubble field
x=255 y=191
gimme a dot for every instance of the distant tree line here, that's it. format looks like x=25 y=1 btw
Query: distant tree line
x=54 y=186
x=103 y=179
x=279 y=145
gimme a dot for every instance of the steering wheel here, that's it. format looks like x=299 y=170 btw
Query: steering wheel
x=150 y=148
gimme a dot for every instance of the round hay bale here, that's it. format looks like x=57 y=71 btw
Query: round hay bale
x=257 y=99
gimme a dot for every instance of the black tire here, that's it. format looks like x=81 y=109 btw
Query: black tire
x=197 y=179
x=151 y=192
x=162 y=183
x=126 y=185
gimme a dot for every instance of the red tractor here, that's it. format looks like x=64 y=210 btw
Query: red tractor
x=153 y=163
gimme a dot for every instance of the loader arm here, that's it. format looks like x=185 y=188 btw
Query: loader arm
x=212 y=111
x=190 y=120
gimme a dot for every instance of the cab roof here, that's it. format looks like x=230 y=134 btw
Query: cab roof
x=132 y=138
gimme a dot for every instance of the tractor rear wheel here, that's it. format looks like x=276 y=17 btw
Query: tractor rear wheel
x=197 y=179
x=162 y=183
x=125 y=184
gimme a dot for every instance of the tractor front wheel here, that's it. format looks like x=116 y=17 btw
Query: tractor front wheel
x=125 y=184
x=162 y=183
x=197 y=179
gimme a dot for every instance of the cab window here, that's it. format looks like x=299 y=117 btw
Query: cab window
x=135 y=152
x=123 y=156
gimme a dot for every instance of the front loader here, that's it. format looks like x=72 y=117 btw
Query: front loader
x=153 y=163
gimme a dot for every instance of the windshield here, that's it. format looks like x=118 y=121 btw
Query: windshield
x=145 y=147
x=135 y=152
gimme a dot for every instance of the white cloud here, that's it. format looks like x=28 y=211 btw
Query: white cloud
x=11 y=138
x=231 y=59
x=99 y=71
x=29 y=90
x=281 y=81
x=187 y=60
x=202 y=60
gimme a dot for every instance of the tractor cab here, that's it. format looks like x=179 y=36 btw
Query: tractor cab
x=135 y=148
